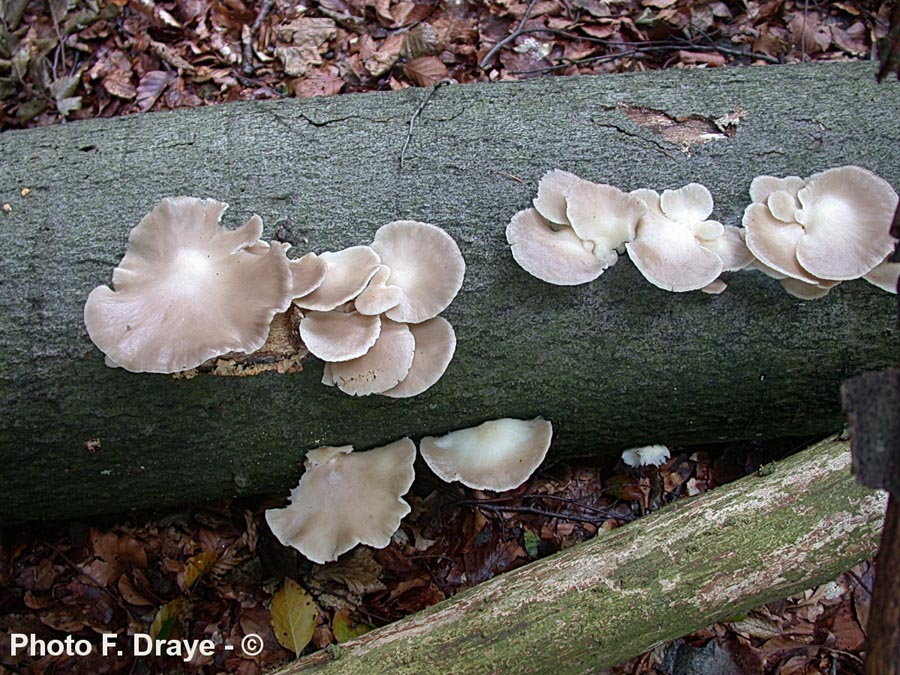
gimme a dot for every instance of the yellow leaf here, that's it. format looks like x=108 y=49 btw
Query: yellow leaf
x=164 y=621
x=294 y=616
x=345 y=628
x=197 y=566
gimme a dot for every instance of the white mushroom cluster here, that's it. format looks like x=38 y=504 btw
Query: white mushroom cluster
x=814 y=233
x=188 y=290
x=497 y=455
x=372 y=313
x=576 y=230
x=809 y=233
x=677 y=247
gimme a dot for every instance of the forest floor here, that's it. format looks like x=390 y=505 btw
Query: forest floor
x=74 y=59
x=212 y=570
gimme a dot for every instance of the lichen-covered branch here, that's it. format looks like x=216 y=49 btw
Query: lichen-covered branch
x=593 y=606
x=613 y=363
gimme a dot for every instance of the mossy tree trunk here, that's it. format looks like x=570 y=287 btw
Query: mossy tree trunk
x=602 y=602
x=613 y=363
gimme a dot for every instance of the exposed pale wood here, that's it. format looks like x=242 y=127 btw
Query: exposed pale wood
x=593 y=606
x=613 y=363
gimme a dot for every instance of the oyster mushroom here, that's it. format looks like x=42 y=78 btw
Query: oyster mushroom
x=434 y=345
x=846 y=215
x=188 y=289
x=382 y=367
x=425 y=265
x=497 y=455
x=557 y=256
x=339 y=335
x=834 y=226
x=673 y=247
x=346 y=498
x=576 y=230
x=348 y=272
x=307 y=274
x=649 y=455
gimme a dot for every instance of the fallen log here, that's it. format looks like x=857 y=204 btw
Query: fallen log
x=613 y=363
x=694 y=563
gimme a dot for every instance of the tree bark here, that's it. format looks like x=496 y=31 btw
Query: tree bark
x=694 y=563
x=614 y=363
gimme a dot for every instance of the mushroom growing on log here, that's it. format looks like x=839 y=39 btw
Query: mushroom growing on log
x=615 y=363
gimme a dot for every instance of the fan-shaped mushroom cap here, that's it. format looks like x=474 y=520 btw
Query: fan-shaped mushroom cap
x=384 y=366
x=603 y=215
x=885 y=276
x=555 y=256
x=378 y=297
x=715 y=287
x=187 y=290
x=551 y=198
x=337 y=335
x=425 y=264
x=349 y=270
x=435 y=343
x=674 y=254
x=846 y=216
x=308 y=272
x=497 y=455
x=346 y=498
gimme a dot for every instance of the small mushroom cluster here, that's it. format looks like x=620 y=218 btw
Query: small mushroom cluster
x=648 y=455
x=188 y=290
x=814 y=233
x=372 y=313
x=346 y=498
x=577 y=229
x=809 y=233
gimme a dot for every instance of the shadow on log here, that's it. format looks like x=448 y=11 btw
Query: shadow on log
x=613 y=363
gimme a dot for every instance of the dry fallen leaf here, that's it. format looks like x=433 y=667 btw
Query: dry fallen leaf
x=425 y=71
x=152 y=84
x=359 y=572
x=198 y=565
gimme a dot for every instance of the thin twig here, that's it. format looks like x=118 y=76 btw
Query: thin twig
x=264 y=9
x=565 y=63
x=509 y=38
x=557 y=498
x=538 y=512
x=412 y=120
x=495 y=505
x=249 y=81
